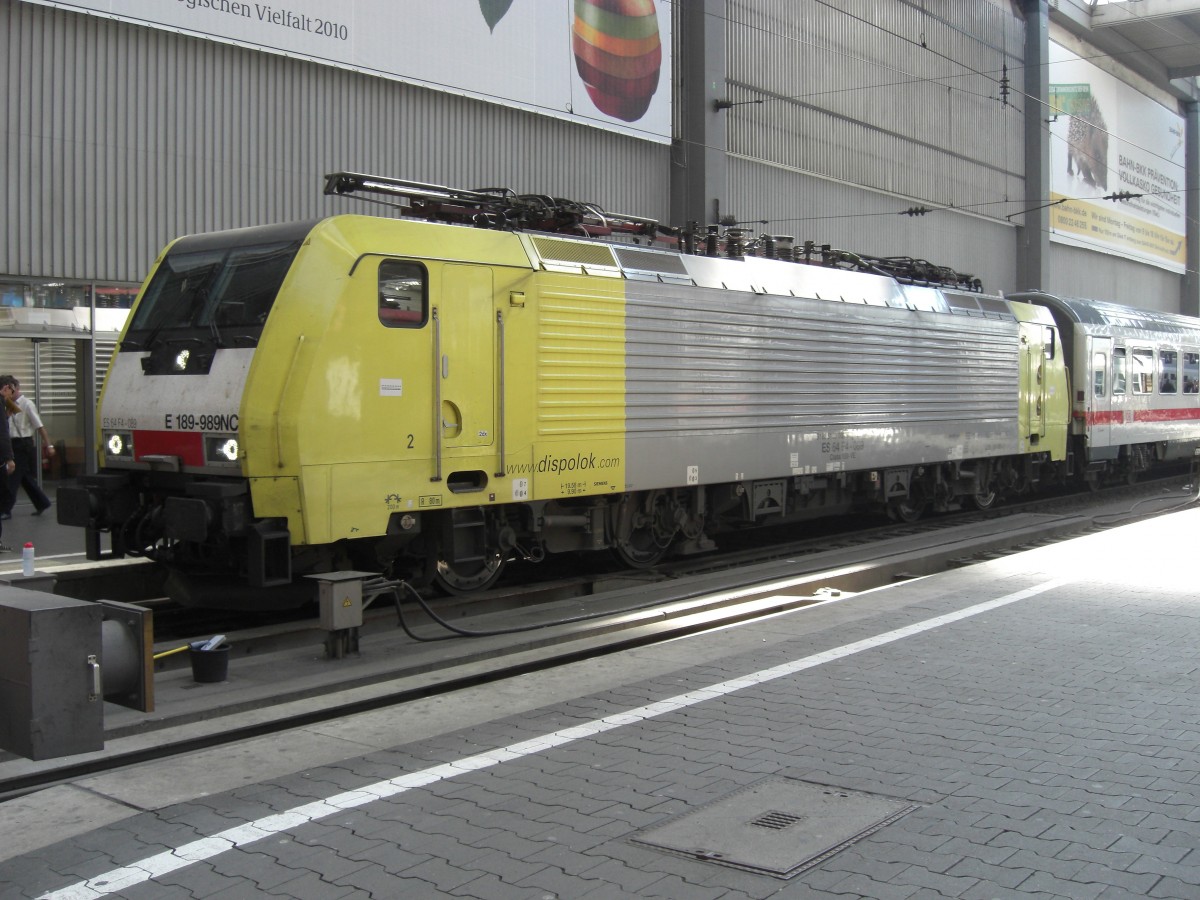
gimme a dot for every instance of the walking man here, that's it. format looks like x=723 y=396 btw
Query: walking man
x=22 y=427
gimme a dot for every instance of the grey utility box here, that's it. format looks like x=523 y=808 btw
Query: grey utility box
x=51 y=700
x=339 y=599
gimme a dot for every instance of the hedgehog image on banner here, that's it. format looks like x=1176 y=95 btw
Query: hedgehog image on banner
x=1087 y=143
x=618 y=54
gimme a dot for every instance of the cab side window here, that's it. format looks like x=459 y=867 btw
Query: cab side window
x=403 y=299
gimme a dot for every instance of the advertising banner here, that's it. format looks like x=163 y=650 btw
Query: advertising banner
x=594 y=62
x=1108 y=139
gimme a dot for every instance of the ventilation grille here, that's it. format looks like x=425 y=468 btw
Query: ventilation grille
x=645 y=261
x=574 y=253
x=994 y=305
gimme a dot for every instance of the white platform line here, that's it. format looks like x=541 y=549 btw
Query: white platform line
x=206 y=848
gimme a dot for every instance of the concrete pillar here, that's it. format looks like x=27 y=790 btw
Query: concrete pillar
x=698 y=169
x=1189 y=298
x=1033 y=234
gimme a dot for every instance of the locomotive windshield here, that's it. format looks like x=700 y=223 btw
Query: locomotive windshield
x=211 y=291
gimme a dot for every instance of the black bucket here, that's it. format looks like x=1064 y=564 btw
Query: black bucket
x=210 y=666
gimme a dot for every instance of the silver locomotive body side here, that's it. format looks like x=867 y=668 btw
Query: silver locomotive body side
x=735 y=386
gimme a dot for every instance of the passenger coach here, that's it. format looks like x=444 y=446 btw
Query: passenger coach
x=1136 y=397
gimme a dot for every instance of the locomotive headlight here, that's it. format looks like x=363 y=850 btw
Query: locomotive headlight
x=221 y=449
x=119 y=444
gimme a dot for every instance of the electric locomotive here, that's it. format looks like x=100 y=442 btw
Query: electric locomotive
x=489 y=377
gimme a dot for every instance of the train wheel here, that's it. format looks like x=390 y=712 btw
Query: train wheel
x=644 y=531
x=906 y=510
x=983 y=499
x=458 y=579
x=641 y=550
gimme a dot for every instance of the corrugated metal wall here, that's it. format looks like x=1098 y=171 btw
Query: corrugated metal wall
x=1075 y=272
x=884 y=106
x=849 y=218
x=119 y=137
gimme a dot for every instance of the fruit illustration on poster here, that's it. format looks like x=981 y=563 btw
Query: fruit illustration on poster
x=618 y=51
x=618 y=54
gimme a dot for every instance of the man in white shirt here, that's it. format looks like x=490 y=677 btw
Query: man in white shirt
x=22 y=427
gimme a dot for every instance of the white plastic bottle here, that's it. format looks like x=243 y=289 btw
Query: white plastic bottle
x=27 y=559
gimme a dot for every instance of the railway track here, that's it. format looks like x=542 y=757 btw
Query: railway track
x=279 y=678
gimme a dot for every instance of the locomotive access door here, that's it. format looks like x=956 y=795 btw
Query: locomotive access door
x=1099 y=393
x=1032 y=415
x=467 y=365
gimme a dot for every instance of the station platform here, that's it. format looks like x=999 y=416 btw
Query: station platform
x=50 y=540
x=1023 y=727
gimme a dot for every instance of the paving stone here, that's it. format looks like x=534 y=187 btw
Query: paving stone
x=200 y=880
x=1044 y=882
x=1174 y=889
x=376 y=881
x=443 y=874
x=1001 y=875
x=264 y=871
x=489 y=887
x=862 y=886
x=1130 y=880
x=1115 y=893
x=309 y=886
x=393 y=859
x=950 y=885
x=1053 y=745
x=155 y=891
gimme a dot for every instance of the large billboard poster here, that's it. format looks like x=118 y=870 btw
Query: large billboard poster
x=1106 y=139
x=605 y=63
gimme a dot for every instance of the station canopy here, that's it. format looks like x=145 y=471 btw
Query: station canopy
x=1159 y=39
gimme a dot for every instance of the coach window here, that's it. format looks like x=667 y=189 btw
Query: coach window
x=1118 y=370
x=1143 y=370
x=1099 y=369
x=1191 y=373
x=1168 y=372
x=402 y=296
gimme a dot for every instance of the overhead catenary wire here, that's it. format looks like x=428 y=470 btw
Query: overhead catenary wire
x=924 y=46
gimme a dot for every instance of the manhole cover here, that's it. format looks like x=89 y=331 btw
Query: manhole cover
x=777 y=827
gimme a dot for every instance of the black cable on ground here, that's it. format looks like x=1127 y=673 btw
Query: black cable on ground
x=394 y=588
x=1117 y=518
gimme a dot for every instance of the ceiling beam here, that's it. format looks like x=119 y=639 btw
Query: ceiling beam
x=1123 y=13
x=1188 y=71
